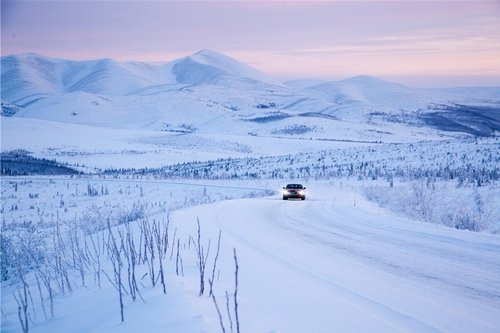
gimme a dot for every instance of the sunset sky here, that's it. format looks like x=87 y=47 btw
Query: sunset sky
x=429 y=43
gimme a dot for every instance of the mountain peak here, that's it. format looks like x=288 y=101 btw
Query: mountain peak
x=216 y=59
x=228 y=65
x=208 y=53
x=365 y=79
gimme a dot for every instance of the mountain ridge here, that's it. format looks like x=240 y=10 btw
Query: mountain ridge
x=207 y=87
x=43 y=76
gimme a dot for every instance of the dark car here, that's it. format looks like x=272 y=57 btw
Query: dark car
x=296 y=191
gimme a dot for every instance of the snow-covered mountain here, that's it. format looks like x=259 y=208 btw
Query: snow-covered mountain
x=207 y=66
x=211 y=92
x=367 y=90
x=194 y=90
x=367 y=99
x=375 y=92
x=26 y=77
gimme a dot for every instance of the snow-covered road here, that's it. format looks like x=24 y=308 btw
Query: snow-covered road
x=337 y=263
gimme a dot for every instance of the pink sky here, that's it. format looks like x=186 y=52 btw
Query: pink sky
x=424 y=41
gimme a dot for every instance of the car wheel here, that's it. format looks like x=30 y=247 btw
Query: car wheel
x=285 y=198
x=304 y=198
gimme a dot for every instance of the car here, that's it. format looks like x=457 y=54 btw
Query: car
x=296 y=191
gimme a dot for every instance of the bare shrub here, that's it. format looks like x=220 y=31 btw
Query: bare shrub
x=201 y=258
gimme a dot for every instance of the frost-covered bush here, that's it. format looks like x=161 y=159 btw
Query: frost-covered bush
x=464 y=219
x=469 y=214
x=414 y=200
x=443 y=203
x=95 y=218
x=7 y=256
x=420 y=201
x=22 y=250
x=130 y=214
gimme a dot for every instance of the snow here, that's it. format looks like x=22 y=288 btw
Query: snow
x=332 y=262
x=101 y=147
x=211 y=139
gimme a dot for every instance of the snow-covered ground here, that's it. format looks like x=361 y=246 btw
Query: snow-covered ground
x=334 y=262
x=97 y=147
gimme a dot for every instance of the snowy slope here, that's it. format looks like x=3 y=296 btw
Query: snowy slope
x=105 y=147
x=27 y=78
x=105 y=77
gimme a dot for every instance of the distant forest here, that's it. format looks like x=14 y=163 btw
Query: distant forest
x=21 y=163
